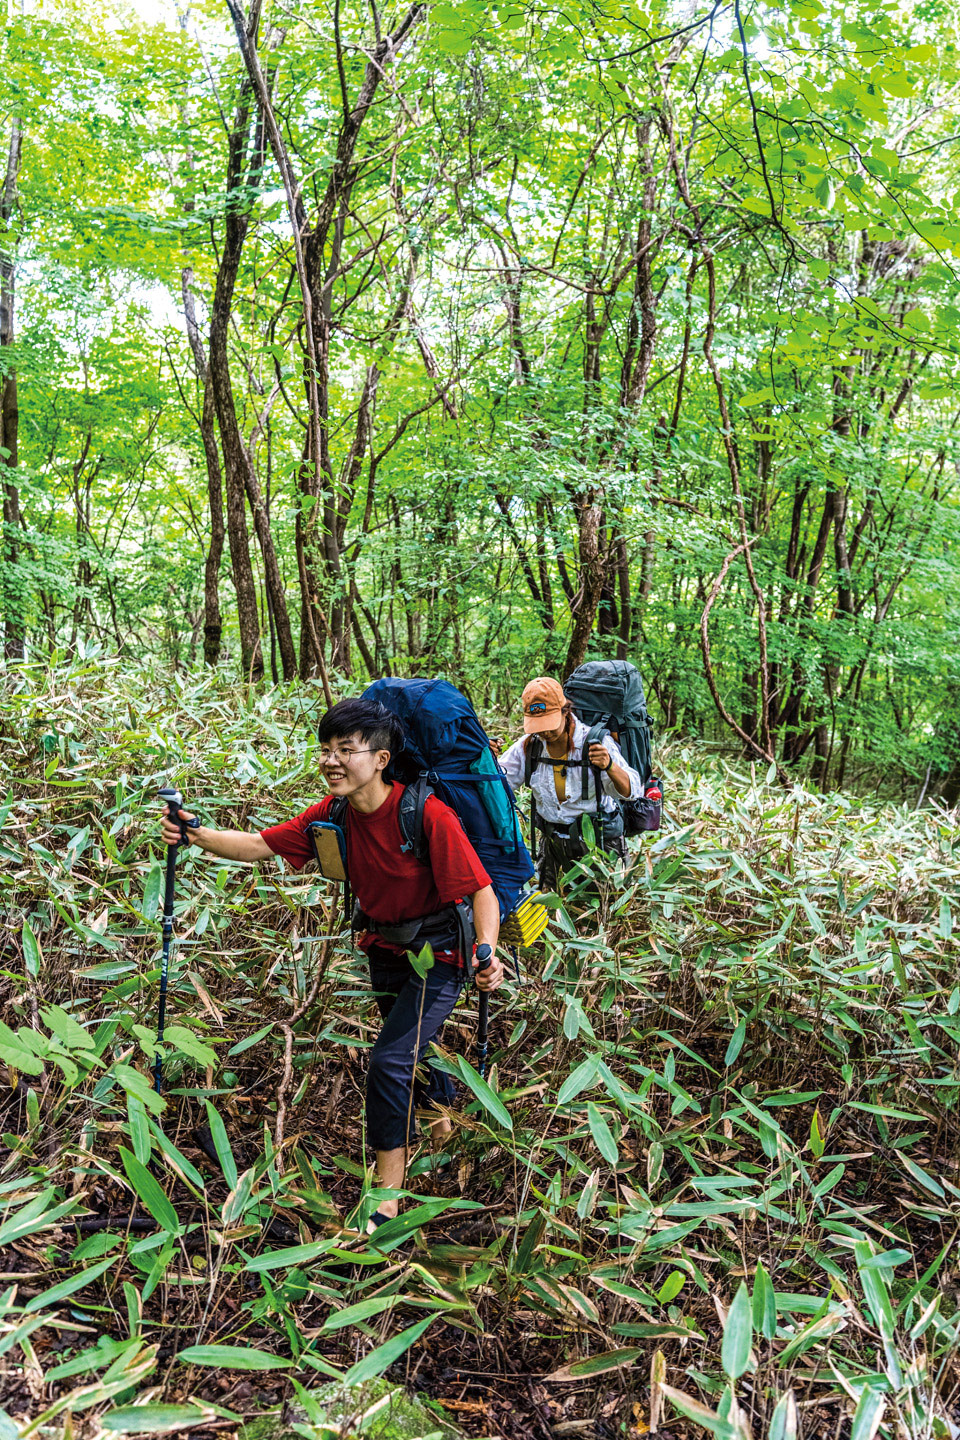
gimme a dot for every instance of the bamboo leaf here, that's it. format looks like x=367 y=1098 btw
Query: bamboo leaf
x=250 y=1040
x=785 y=1422
x=764 y=1304
x=737 y=1335
x=658 y=1374
x=155 y=1419
x=151 y=890
x=922 y=1178
x=80 y=1281
x=602 y=1134
x=233 y=1357
x=945 y=919
x=390 y=1234
x=736 y=1042
x=356 y=1314
x=595 y=1365
x=35 y=1216
x=488 y=1098
x=172 y=1155
x=292 y=1255
x=222 y=1145
x=240 y=1199
x=149 y=1192
x=868 y=1415
x=582 y=1078
x=139 y=1129
x=817 y=1143
x=671 y=1287
x=32 y=954
x=386 y=1354
x=702 y=1414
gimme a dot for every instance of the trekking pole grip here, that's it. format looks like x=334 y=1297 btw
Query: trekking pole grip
x=483 y=1015
x=486 y=959
x=174 y=802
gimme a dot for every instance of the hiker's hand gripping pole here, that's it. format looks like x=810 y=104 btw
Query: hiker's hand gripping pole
x=174 y=802
x=484 y=955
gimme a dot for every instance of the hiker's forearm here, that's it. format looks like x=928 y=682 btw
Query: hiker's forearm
x=486 y=916
x=231 y=844
x=621 y=780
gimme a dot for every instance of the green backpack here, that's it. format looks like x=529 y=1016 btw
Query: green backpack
x=609 y=693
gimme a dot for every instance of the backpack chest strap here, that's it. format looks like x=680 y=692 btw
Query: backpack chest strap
x=534 y=755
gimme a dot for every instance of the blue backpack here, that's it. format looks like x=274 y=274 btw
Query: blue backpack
x=447 y=754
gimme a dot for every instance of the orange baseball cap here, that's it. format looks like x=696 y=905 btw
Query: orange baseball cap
x=543 y=701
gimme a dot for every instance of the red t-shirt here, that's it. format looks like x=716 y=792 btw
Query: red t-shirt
x=389 y=883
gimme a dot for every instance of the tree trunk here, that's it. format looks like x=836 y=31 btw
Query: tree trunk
x=543 y=568
x=251 y=656
x=234 y=456
x=311 y=625
x=13 y=608
x=212 y=616
x=626 y=607
x=276 y=599
x=596 y=558
x=319 y=264
x=591 y=583
x=241 y=476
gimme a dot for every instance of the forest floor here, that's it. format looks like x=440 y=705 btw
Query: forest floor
x=712 y=1181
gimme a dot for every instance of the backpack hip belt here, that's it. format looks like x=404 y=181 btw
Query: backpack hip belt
x=448 y=929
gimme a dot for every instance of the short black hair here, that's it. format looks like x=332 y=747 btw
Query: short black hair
x=377 y=726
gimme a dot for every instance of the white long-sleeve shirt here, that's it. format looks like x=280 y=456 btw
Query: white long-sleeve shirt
x=543 y=785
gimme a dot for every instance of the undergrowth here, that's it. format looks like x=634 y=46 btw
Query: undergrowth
x=712 y=1182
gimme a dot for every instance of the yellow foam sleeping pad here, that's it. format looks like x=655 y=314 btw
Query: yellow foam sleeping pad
x=525 y=924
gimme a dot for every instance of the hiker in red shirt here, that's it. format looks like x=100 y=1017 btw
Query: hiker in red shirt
x=357 y=738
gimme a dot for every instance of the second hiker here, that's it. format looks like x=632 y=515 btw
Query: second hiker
x=561 y=768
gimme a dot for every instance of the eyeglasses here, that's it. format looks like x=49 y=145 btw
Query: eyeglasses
x=346 y=755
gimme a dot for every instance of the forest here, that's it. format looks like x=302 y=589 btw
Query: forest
x=341 y=341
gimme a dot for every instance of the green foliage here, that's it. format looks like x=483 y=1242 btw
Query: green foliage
x=486 y=267
x=619 y=1184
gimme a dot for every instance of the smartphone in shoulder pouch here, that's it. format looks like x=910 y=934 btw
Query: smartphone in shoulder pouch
x=329 y=848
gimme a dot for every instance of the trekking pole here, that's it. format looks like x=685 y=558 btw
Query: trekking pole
x=174 y=800
x=483 y=1017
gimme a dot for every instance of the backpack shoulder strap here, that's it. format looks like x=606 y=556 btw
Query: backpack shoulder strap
x=412 y=803
x=532 y=757
x=337 y=814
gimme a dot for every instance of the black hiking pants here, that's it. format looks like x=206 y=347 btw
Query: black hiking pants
x=558 y=852
x=413 y=1011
